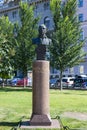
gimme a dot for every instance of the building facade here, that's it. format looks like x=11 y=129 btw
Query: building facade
x=42 y=9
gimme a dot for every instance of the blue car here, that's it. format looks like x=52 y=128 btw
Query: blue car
x=53 y=83
x=14 y=81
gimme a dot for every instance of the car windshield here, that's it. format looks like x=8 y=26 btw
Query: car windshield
x=54 y=76
x=53 y=81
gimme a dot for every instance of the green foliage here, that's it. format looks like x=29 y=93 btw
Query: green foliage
x=25 y=32
x=66 y=49
x=62 y=9
x=6 y=46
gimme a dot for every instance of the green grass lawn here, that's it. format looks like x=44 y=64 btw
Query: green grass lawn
x=17 y=102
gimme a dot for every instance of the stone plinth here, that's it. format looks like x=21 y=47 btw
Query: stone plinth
x=40 y=106
x=26 y=125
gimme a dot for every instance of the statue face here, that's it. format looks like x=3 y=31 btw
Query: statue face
x=42 y=29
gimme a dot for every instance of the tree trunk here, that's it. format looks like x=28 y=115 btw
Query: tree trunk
x=61 y=80
x=24 y=82
x=3 y=85
x=25 y=75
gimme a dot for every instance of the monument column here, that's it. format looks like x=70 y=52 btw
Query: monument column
x=40 y=106
x=40 y=98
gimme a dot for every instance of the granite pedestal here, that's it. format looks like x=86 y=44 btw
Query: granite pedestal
x=40 y=107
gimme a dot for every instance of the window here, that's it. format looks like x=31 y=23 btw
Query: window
x=5 y=14
x=71 y=70
x=80 y=17
x=36 y=8
x=47 y=21
x=14 y=13
x=80 y=3
x=46 y=6
x=81 y=69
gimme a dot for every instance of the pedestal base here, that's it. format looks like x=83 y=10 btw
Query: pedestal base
x=40 y=120
x=26 y=125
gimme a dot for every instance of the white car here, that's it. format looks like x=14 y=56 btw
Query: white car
x=67 y=82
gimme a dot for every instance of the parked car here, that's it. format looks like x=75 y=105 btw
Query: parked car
x=67 y=82
x=53 y=83
x=15 y=80
x=8 y=82
x=53 y=80
x=29 y=83
x=1 y=80
x=80 y=83
x=24 y=81
x=54 y=76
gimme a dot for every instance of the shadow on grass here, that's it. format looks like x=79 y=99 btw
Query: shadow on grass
x=15 y=89
x=9 y=124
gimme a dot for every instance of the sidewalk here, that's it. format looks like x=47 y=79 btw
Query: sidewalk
x=75 y=115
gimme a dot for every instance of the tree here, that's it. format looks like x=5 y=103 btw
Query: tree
x=25 y=50
x=66 y=49
x=6 y=46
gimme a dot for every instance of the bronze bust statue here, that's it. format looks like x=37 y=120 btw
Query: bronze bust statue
x=42 y=42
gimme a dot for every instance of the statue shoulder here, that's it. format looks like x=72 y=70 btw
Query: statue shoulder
x=50 y=40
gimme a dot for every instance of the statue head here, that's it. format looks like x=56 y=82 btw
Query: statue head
x=42 y=30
